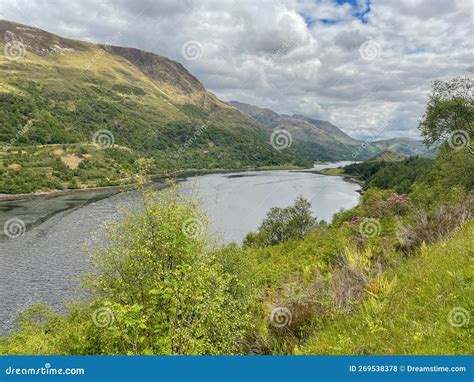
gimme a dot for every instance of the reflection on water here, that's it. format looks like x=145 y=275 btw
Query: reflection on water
x=46 y=262
x=237 y=204
x=35 y=211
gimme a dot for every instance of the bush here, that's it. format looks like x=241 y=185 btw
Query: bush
x=282 y=224
x=158 y=288
x=427 y=227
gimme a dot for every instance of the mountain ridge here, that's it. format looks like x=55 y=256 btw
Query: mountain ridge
x=303 y=128
x=55 y=90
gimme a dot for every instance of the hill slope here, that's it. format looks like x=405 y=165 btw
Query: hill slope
x=431 y=294
x=55 y=90
x=324 y=137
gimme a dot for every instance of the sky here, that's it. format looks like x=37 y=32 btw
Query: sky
x=365 y=66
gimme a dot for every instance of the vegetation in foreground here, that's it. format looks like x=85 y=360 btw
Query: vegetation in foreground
x=391 y=276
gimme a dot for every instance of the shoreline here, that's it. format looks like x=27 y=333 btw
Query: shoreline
x=181 y=174
x=347 y=178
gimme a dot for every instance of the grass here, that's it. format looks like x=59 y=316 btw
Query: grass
x=332 y=171
x=413 y=317
x=67 y=166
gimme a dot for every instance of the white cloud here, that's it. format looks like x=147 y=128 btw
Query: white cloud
x=282 y=55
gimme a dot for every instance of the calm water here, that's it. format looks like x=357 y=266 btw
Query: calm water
x=45 y=263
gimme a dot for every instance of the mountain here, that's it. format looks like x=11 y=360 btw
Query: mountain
x=327 y=139
x=61 y=98
x=313 y=138
x=55 y=90
x=405 y=146
x=388 y=156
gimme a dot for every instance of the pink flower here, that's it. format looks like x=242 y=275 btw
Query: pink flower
x=355 y=220
x=398 y=198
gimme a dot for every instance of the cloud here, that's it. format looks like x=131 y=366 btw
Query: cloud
x=294 y=56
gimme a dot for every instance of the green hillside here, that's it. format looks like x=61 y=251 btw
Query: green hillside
x=418 y=311
x=395 y=267
x=328 y=141
x=61 y=91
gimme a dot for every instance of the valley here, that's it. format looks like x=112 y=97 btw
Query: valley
x=101 y=115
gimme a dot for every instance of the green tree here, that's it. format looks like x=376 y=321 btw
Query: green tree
x=282 y=224
x=167 y=289
x=450 y=108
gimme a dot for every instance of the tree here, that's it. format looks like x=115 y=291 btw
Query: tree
x=167 y=291
x=450 y=108
x=282 y=224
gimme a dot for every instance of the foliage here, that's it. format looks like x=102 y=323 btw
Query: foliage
x=412 y=316
x=51 y=99
x=428 y=227
x=282 y=224
x=395 y=267
x=42 y=168
x=398 y=176
x=158 y=289
x=450 y=108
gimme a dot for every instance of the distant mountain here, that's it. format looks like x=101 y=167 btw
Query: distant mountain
x=388 y=156
x=327 y=139
x=405 y=146
x=59 y=91
x=328 y=128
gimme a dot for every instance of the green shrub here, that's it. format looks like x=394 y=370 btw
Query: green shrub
x=282 y=224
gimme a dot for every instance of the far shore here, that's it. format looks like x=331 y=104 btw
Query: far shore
x=181 y=174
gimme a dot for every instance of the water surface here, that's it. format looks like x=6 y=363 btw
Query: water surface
x=46 y=262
